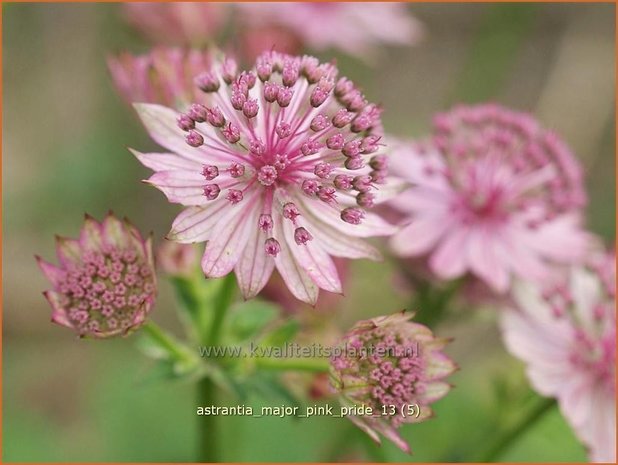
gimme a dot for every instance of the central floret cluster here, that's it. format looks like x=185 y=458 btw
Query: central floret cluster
x=291 y=152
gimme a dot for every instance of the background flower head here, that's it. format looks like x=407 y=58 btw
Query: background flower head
x=565 y=333
x=177 y=23
x=354 y=28
x=390 y=362
x=164 y=75
x=279 y=170
x=105 y=284
x=492 y=194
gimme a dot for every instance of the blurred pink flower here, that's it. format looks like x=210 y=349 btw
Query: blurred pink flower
x=279 y=172
x=357 y=28
x=105 y=284
x=164 y=75
x=565 y=332
x=177 y=259
x=389 y=363
x=178 y=23
x=492 y=194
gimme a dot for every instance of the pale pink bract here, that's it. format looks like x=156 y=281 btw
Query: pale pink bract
x=492 y=194
x=105 y=284
x=279 y=170
x=396 y=367
x=565 y=332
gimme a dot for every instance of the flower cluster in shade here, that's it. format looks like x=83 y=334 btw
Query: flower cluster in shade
x=390 y=362
x=105 y=283
x=279 y=169
x=493 y=194
x=163 y=75
x=353 y=28
x=564 y=331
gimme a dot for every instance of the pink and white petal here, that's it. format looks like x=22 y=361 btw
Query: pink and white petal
x=229 y=239
x=392 y=435
x=254 y=267
x=296 y=279
x=562 y=239
x=420 y=199
x=434 y=391
x=586 y=291
x=314 y=260
x=439 y=366
x=187 y=196
x=603 y=426
x=421 y=235
x=484 y=261
x=524 y=261
x=337 y=245
x=114 y=232
x=371 y=225
x=91 y=236
x=575 y=400
x=184 y=187
x=135 y=237
x=54 y=274
x=449 y=259
x=68 y=251
x=389 y=191
x=59 y=314
x=195 y=224
x=166 y=161
x=160 y=122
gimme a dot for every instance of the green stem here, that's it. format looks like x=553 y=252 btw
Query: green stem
x=207 y=395
x=165 y=340
x=509 y=436
x=221 y=305
x=315 y=365
x=208 y=431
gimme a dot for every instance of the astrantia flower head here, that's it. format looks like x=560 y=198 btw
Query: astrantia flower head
x=493 y=194
x=279 y=170
x=164 y=75
x=177 y=23
x=394 y=366
x=356 y=28
x=565 y=332
x=105 y=284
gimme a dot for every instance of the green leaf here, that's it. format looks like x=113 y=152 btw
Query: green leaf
x=282 y=334
x=271 y=388
x=250 y=318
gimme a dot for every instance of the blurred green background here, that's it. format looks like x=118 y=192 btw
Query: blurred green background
x=64 y=153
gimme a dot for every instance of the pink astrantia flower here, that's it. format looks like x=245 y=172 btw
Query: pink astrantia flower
x=493 y=194
x=394 y=366
x=279 y=171
x=177 y=23
x=164 y=75
x=105 y=284
x=354 y=28
x=565 y=332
